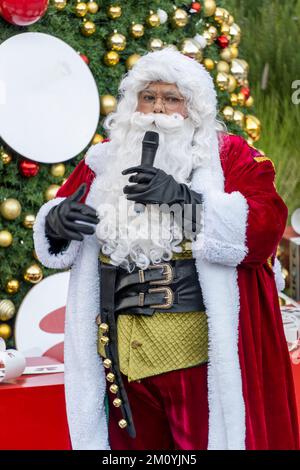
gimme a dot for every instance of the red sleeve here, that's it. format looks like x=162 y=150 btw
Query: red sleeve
x=253 y=176
x=81 y=174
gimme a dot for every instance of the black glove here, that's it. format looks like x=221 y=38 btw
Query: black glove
x=60 y=222
x=154 y=186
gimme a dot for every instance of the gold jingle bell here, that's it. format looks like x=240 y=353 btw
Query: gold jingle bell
x=122 y=423
x=107 y=363
x=114 y=388
x=104 y=340
x=110 y=377
x=117 y=402
x=6 y=158
x=104 y=327
x=60 y=4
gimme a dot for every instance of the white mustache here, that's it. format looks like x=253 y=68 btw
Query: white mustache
x=164 y=122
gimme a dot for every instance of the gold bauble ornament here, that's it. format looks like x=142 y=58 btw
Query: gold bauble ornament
x=58 y=170
x=232 y=84
x=209 y=64
x=222 y=81
x=6 y=158
x=209 y=7
x=137 y=30
x=97 y=138
x=234 y=51
x=213 y=32
x=225 y=29
x=60 y=4
x=235 y=33
x=208 y=37
x=108 y=104
x=50 y=192
x=114 y=11
x=226 y=54
x=7 y=310
x=250 y=102
x=241 y=99
x=219 y=15
x=116 y=41
x=81 y=9
x=228 y=113
x=29 y=220
x=111 y=58
x=253 y=127
x=10 y=209
x=191 y=48
x=223 y=66
x=33 y=274
x=233 y=99
x=230 y=20
x=12 y=286
x=93 y=7
x=180 y=18
x=6 y=238
x=155 y=44
x=239 y=69
x=239 y=118
x=153 y=20
x=5 y=331
x=88 y=28
x=132 y=60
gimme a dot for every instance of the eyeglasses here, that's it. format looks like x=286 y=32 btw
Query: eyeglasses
x=170 y=102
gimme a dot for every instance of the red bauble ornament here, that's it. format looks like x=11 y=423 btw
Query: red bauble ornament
x=28 y=168
x=246 y=92
x=85 y=58
x=195 y=7
x=222 y=41
x=22 y=12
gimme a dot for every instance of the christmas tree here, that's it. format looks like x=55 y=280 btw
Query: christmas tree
x=110 y=37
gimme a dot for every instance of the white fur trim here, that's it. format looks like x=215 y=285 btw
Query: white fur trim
x=279 y=279
x=62 y=260
x=224 y=228
x=96 y=157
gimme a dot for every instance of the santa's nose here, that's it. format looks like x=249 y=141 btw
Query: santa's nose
x=159 y=106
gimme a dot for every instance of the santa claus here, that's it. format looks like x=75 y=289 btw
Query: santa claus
x=191 y=350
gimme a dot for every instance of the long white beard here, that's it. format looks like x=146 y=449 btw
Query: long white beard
x=138 y=239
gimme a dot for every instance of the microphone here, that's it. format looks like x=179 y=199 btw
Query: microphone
x=149 y=149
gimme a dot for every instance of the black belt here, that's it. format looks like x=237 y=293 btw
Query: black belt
x=168 y=287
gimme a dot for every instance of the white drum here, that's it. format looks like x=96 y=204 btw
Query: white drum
x=49 y=102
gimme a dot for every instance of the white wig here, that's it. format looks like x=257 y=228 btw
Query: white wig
x=193 y=81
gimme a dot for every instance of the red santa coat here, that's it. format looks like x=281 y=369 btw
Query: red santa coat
x=251 y=394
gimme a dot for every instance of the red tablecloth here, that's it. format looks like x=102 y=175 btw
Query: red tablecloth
x=33 y=411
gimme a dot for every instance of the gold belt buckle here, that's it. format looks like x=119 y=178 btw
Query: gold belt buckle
x=169 y=296
x=168 y=273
